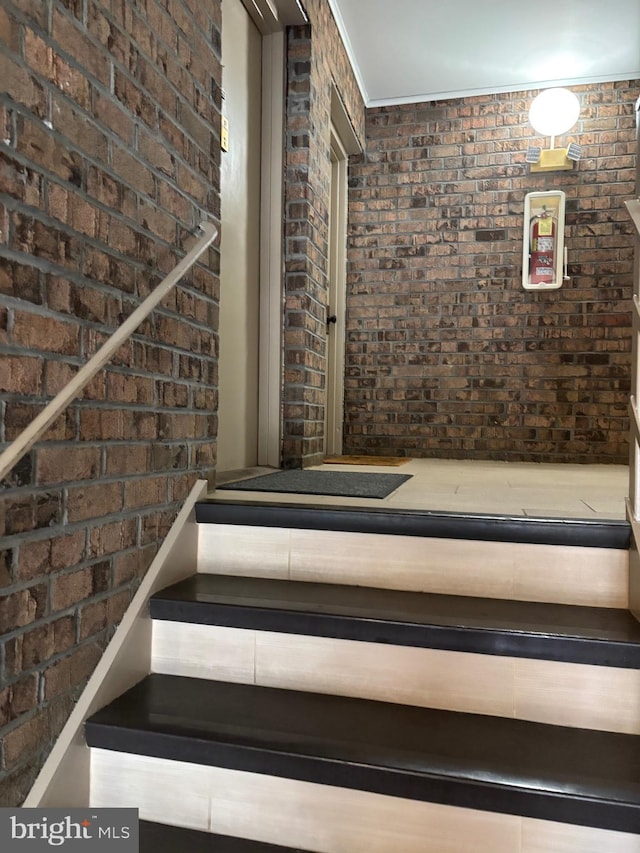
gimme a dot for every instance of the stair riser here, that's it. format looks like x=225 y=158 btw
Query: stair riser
x=596 y=577
x=553 y=692
x=323 y=818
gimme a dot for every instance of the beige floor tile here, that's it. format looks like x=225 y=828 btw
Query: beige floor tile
x=605 y=505
x=403 y=562
x=540 y=836
x=314 y=817
x=431 y=678
x=203 y=651
x=544 y=691
x=594 y=577
x=569 y=694
x=525 y=489
x=328 y=819
x=236 y=549
x=164 y=791
x=559 y=507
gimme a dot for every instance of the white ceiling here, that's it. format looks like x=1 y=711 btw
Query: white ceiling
x=425 y=50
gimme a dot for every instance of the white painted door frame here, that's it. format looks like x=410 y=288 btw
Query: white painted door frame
x=343 y=143
x=271 y=252
x=336 y=304
x=240 y=193
x=272 y=17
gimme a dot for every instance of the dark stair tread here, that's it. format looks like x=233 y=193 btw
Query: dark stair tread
x=164 y=838
x=592 y=635
x=489 y=763
x=587 y=532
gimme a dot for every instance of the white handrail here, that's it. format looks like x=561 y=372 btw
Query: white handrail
x=28 y=437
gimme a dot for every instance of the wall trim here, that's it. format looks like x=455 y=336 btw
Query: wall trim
x=272 y=16
x=271 y=252
x=342 y=124
x=65 y=776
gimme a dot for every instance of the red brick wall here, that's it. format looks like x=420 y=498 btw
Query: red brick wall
x=109 y=143
x=315 y=59
x=447 y=355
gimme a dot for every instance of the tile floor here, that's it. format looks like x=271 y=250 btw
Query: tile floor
x=505 y=488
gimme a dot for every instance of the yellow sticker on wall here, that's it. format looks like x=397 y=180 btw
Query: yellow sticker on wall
x=545 y=227
x=224 y=134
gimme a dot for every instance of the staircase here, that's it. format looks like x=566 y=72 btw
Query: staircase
x=355 y=679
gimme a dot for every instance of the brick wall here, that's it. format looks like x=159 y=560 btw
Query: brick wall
x=316 y=60
x=447 y=355
x=109 y=144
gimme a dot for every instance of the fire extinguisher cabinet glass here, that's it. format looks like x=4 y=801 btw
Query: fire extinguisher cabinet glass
x=543 y=243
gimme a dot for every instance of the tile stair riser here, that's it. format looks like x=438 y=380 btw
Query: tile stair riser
x=501 y=765
x=552 y=692
x=594 y=577
x=324 y=818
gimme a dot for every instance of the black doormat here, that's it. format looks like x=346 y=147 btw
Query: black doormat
x=343 y=484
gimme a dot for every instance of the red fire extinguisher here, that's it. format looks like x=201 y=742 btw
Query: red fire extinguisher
x=542 y=258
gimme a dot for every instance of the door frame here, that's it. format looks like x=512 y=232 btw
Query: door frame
x=343 y=143
x=239 y=270
x=272 y=17
x=336 y=298
x=271 y=252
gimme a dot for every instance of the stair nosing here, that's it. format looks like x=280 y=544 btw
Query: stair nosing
x=175 y=605
x=594 y=533
x=610 y=804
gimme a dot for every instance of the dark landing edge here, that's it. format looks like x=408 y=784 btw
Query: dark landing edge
x=403 y=522
x=598 y=636
x=163 y=838
x=495 y=764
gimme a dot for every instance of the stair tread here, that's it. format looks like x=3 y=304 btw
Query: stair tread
x=398 y=521
x=160 y=837
x=491 y=763
x=593 y=635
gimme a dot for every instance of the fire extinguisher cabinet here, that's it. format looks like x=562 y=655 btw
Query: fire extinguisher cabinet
x=543 y=252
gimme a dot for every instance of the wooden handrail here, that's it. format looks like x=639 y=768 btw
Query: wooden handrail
x=28 y=437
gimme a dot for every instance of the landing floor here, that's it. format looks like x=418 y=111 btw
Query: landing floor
x=504 y=488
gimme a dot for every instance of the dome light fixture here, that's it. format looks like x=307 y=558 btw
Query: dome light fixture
x=552 y=113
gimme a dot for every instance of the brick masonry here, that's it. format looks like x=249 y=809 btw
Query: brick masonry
x=316 y=61
x=109 y=157
x=447 y=355
x=109 y=146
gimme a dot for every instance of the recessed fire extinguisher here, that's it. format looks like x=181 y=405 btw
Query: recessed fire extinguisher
x=543 y=255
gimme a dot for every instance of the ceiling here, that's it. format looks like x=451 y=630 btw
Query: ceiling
x=406 y=51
